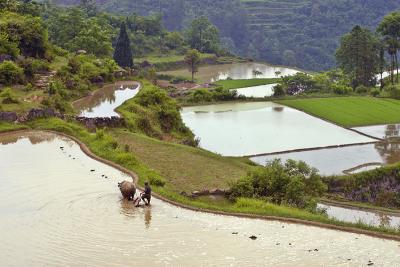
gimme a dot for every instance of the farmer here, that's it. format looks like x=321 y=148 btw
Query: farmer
x=146 y=195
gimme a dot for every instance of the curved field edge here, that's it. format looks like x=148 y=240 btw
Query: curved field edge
x=349 y=111
x=106 y=149
x=244 y=83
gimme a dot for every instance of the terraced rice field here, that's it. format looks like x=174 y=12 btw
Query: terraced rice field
x=350 y=111
x=272 y=14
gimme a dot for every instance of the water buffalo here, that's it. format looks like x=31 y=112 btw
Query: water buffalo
x=127 y=189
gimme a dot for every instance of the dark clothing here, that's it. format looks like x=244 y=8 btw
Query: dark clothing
x=147 y=189
x=146 y=197
x=147 y=194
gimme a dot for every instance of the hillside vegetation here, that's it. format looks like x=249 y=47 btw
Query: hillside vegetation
x=302 y=33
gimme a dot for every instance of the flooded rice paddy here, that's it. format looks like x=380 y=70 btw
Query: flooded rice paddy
x=62 y=208
x=103 y=102
x=381 y=131
x=379 y=219
x=243 y=129
x=213 y=73
x=334 y=161
x=257 y=91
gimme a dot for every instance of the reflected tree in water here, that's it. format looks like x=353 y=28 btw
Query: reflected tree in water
x=147 y=217
x=389 y=151
x=384 y=220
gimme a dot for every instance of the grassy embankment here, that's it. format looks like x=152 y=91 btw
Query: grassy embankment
x=350 y=111
x=242 y=83
x=185 y=168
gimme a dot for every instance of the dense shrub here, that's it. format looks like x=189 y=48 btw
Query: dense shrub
x=26 y=32
x=218 y=94
x=362 y=89
x=31 y=66
x=292 y=183
x=298 y=83
x=201 y=95
x=375 y=92
x=10 y=73
x=7 y=47
x=341 y=89
x=278 y=90
x=394 y=91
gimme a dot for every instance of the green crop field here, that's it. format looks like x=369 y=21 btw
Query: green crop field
x=350 y=111
x=169 y=58
x=242 y=83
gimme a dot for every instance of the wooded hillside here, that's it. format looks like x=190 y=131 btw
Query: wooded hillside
x=302 y=33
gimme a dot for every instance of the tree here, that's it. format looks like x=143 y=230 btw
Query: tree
x=192 y=59
x=89 y=6
x=382 y=63
x=173 y=40
x=7 y=47
x=390 y=29
x=93 y=38
x=203 y=36
x=358 y=55
x=27 y=32
x=293 y=183
x=123 y=53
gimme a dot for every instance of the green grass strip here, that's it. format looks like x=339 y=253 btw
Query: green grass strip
x=242 y=83
x=350 y=111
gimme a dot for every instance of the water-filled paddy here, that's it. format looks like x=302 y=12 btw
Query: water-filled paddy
x=257 y=91
x=336 y=160
x=56 y=212
x=104 y=101
x=367 y=217
x=212 y=73
x=238 y=129
x=381 y=131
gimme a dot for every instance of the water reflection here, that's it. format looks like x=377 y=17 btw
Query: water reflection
x=367 y=217
x=128 y=209
x=240 y=129
x=257 y=91
x=212 y=73
x=33 y=138
x=147 y=216
x=381 y=131
x=104 y=101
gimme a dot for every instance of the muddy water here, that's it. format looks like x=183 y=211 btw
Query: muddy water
x=56 y=212
x=336 y=160
x=240 y=129
x=367 y=217
x=381 y=131
x=212 y=73
x=104 y=101
x=257 y=91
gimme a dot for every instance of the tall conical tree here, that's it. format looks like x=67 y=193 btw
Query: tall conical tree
x=123 y=54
